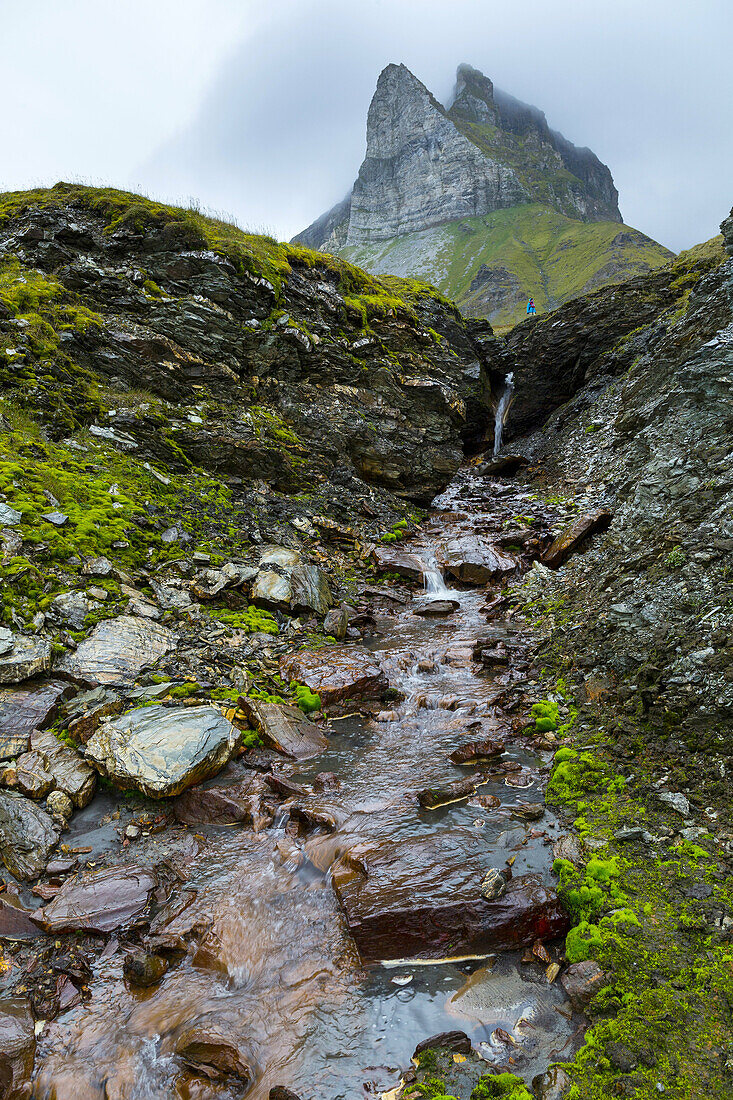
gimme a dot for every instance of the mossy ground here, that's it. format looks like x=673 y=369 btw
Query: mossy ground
x=650 y=911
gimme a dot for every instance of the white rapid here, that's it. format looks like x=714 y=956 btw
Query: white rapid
x=501 y=410
x=433 y=576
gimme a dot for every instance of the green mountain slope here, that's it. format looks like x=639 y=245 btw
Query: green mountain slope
x=491 y=265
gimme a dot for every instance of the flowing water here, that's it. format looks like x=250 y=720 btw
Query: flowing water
x=272 y=959
x=501 y=410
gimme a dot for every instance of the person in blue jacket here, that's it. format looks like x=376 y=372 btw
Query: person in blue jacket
x=530 y=307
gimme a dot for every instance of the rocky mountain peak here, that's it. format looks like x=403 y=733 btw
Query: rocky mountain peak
x=473 y=97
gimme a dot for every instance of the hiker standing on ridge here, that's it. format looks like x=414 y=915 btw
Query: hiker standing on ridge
x=530 y=307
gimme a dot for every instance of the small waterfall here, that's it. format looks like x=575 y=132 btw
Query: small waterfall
x=433 y=576
x=501 y=410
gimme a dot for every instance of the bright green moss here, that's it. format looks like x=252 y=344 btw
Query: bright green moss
x=506 y=1086
x=307 y=700
x=253 y=620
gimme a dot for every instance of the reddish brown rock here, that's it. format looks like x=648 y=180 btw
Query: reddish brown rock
x=15 y=920
x=477 y=750
x=340 y=675
x=100 y=901
x=26 y=708
x=432 y=797
x=569 y=541
x=222 y=803
x=422 y=899
x=581 y=981
x=214 y=1050
x=283 y=728
x=17 y=1047
x=390 y=559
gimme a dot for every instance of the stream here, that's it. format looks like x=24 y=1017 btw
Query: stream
x=273 y=959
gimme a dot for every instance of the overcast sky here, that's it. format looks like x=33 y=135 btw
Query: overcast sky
x=258 y=107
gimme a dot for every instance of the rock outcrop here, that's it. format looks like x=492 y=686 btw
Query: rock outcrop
x=467 y=197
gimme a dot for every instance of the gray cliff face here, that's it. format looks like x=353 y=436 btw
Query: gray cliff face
x=426 y=166
x=420 y=170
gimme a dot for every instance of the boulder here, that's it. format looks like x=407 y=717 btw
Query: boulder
x=456 y=1041
x=9 y=516
x=27 y=835
x=71 y=773
x=117 y=650
x=288 y=581
x=28 y=657
x=571 y=538
x=99 y=901
x=32 y=777
x=458 y=791
x=70 y=608
x=284 y=728
x=581 y=981
x=477 y=750
x=340 y=675
x=142 y=968
x=336 y=623
x=422 y=898
x=17 y=1047
x=222 y=803
x=390 y=559
x=213 y=1048
x=473 y=560
x=161 y=751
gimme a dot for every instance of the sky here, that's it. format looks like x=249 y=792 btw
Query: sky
x=257 y=108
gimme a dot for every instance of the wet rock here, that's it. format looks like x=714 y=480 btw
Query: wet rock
x=60 y=806
x=457 y=1041
x=214 y=1049
x=279 y=1092
x=71 y=774
x=568 y=847
x=552 y=1085
x=430 y=798
x=581 y=981
x=101 y=901
x=475 y=751
x=90 y=709
x=284 y=728
x=473 y=560
x=117 y=650
x=285 y=788
x=503 y=466
x=494 y=884
x=17 y=1047
x=437 y=608
x=340 y=675
x=28 y=657
x=422 y=898
x=144 y=969
x=32 y=777
x=528 y=811
x=389 y=559
x=336 y=623
x=7 y=641
x=27 y=835
x=222 y=803
x=162 y=751
x=15 y=920
x=288 y=581
x=570 y=539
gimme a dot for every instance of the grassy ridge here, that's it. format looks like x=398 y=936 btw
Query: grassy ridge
x=552 y=258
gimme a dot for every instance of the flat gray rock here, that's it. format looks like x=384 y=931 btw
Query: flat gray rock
x=117 y=650
x=161 y=750
x=27 y=835
x=7 y=641
x=28 y=657
x=9 y=517
x=287 y=580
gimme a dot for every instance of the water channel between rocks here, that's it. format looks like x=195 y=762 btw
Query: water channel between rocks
x=275 y=960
